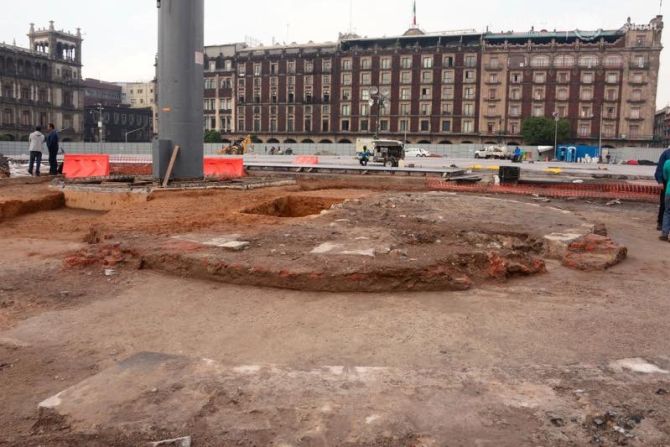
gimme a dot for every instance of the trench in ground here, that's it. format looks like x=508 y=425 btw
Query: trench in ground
x=294 y=206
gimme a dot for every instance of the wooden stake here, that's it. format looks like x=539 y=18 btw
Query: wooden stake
x=175 y=151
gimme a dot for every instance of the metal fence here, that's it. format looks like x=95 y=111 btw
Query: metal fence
x=20 y=149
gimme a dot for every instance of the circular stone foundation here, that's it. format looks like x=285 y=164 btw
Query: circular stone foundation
x=322 y=241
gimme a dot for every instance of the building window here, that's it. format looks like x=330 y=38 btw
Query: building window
x=538 y=110
x=427 y=61
x=344 y=125
x=346 y=94
x=634 y=113
x=586 y=112
x=469 y=76
x=405 y=77
x=447 y=108
x=448 y=61
x=538 y=93
x=470 y=60
x=540 y=61
x=406 y=62
x=404 y=108
x=516 y=78
x=448 y=76
x=426 y=76
x=587 y=77
x=588 y=61
x=346 y=109
x=540 y=77
x=346 y=78
x=309 y=66
x=385 y=63
x=469 y=93
x=515 y=94
x=468 y=126
x=366 y=78
x=346 y=64
x=366 y=63
x=363 y=125
x=424 y=125
x=468 y=109
x=405 y=94
x=446 y=126
x=562 y=93
x=448 y=92
x=563 y=77
x=612 y=78
x=326 y=65
x=308 y=124
x=385 y=78
x=426 y=93
x=384 y=125
x=613 y=61
x=586 y=94
x=365 y=109
x=425 y=109
x=325 y=125
x=584 y=129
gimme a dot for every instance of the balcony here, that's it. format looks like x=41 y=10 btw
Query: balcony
x=493 y=67
x=634 y=118
x=489 y=99
x=638 y=82
x=639 y=65
x=493 y=82
x=636 y=100
x=492 y=115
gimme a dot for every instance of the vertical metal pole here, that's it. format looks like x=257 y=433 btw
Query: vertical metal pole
x=600 y=133
x=556 y=136
x=181 y=86
x=101 y=127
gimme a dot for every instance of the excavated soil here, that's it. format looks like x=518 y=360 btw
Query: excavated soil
x=334 y=240
x=19 y=199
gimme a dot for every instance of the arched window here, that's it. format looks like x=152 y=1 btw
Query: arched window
x=613 y=61
x=539 y=61
x=588 y=61
x=564 y=61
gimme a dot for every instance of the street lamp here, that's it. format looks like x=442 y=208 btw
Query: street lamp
x=557 y=118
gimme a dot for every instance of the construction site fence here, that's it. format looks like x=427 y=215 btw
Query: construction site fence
x=20 y=149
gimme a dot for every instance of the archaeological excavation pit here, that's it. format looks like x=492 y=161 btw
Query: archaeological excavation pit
x=294 y=206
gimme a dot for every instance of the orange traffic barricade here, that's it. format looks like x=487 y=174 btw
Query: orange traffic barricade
x=224 y=167
x=81 y=166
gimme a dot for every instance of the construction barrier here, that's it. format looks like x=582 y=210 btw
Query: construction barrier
x=623 y=191
x=81 y=166
x=224 y=167
x=306 y=160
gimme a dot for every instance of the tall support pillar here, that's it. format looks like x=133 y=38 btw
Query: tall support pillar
x=180 y=88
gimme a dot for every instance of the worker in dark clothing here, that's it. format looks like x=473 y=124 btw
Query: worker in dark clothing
x=52 y=146
x=665 y=156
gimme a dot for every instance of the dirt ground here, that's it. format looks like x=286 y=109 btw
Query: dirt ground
x=530 y=361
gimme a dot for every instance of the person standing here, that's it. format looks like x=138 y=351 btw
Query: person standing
x=36 y=140
x=665 y=156
x=665 y=228
x=52 y=147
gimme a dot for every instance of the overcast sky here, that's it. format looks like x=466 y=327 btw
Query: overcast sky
x=120 y=35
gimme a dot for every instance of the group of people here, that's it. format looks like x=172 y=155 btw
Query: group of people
x=37 y=142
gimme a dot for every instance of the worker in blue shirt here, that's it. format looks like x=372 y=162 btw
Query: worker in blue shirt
x=665 y=228
x=665 y=156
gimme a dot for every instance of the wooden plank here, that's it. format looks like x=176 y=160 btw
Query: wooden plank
x=175 y=151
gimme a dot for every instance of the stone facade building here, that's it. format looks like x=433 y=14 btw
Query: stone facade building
x=42 y=84
x=662 y=127
x=141 y=95
x=453 y=87
x=101 y=92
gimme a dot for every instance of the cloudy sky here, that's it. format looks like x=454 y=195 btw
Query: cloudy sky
x=120 y=35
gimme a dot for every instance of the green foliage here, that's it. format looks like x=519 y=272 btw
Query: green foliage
x=539 y=131
x=212 y=136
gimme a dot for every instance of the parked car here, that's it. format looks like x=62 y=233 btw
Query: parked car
x=496 y=152
x=417 y=152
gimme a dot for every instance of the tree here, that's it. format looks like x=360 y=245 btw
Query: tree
x=539 y=131
x=212 y=136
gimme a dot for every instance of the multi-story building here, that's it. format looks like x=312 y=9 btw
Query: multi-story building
x=452 y=87
x=662 y=127
x=120 y=123
x=101 y=92
x=140 y=95
x=42 y=84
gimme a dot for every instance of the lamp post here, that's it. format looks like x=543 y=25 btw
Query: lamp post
x=557 y=118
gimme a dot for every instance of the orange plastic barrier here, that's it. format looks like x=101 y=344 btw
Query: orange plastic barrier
x=224 y=167
x=80 y=166
x=306 y=160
